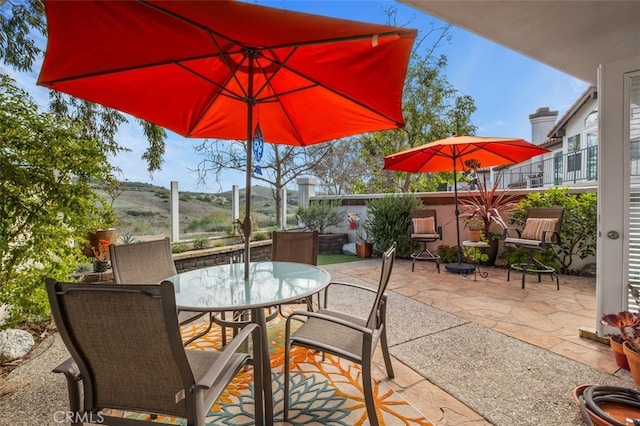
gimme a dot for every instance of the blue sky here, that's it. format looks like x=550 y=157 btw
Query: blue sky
x=505 y=85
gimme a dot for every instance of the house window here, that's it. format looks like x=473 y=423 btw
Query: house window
x=557 y=168
x=574 y=158
x=592 y=118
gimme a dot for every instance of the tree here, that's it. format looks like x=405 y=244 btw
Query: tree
x=338 y=170
x=280 y=165
x=46 y=166
x=432 y=110
x=22 y=28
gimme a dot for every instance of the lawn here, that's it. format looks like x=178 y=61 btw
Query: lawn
x=328 y=259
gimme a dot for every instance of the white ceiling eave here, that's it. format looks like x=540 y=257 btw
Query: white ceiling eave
x=574 y=37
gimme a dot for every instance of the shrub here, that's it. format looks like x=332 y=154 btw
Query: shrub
x=321 y=215
x=200 y=242
x=579 y=223
x=388 y=220
x=260 y=236
x=179 y=248
x=448 y=254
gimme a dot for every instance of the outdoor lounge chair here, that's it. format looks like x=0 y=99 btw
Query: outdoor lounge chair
x=541 y=231
x=127 y=354
x=345 y=335
x=424 y=229
x=149 y=262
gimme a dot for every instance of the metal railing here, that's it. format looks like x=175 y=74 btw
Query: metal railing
x=563 y=169
x=578 y=167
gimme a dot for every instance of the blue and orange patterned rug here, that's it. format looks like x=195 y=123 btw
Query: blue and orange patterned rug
x=323 y=392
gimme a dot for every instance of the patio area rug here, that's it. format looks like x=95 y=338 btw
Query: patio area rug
x=325 y=392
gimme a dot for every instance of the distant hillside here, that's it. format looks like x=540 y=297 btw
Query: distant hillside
x=143 y=209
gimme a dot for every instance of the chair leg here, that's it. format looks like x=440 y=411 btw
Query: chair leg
x=385 y=353
x=367 y=388
x=287 y=361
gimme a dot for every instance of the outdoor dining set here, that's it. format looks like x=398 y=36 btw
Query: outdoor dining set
x=128 y=354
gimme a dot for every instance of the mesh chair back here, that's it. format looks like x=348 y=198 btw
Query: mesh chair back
x=126 y=342
x=300 y=247
x=147 y=262
x=388 y=258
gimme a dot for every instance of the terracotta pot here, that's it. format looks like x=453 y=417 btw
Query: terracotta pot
x=364 y=250
x=633 y=358
x=474 y=236
x=616 y=346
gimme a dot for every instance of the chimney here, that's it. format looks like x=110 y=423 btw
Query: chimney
x=541 y=122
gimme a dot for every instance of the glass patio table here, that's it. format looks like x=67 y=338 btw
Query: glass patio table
x=223 y=288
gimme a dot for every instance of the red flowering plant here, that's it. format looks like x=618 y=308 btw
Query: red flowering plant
x=628 y=323
x=102 y=250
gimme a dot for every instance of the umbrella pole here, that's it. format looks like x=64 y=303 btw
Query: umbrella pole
x=247 y=225
x=459 y=267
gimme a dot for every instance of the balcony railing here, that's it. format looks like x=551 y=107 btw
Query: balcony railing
x=566 y=169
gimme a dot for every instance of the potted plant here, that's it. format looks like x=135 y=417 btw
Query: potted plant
x=486 y=204
x=475 y=228
x=627 y=341
x=320 y=216
x=364 y=249
x=101 y=252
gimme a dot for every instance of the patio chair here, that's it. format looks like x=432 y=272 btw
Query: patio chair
x=345 y=335
x=424 y=229
x=296 y=246
x=541 y=231
x=149 y=262
x=127 y=354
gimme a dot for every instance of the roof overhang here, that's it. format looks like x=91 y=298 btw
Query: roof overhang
x=574 y=37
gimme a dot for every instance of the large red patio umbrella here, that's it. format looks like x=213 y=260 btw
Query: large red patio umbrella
x=459 y=153
x=216 y=69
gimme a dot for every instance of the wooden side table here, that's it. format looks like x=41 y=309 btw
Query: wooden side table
x=478 y=248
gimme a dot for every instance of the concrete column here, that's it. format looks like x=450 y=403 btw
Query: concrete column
x=306 y=190
x=175 y=212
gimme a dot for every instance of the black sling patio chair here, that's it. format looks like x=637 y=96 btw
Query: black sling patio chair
x=424 y=229
x=150 y=262
x=541 y=231
x=127 y=354
x=345 y=335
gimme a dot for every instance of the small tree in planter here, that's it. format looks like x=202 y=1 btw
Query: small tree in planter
x=321 y=215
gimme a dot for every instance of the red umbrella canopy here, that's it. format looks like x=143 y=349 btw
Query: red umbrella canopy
x=200 y=68
x=454 y=153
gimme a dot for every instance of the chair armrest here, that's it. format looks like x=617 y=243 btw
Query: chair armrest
x=439 y=229
x=507 y=231
x=207 y=380
x=69 y=368
x=328 y=318
x=555 y=238
x=71 y=372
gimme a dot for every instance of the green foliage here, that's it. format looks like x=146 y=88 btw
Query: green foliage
x=45 y=169
x=579 y=222
x=486 y=203
x=448 y=254
x=260 y=236
x=388 y=220
x=321 y=215
x=179 y=248
x=127 y=239
x=432 y=109
x=474 y=224
x=475 y=255
x=200 y=242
